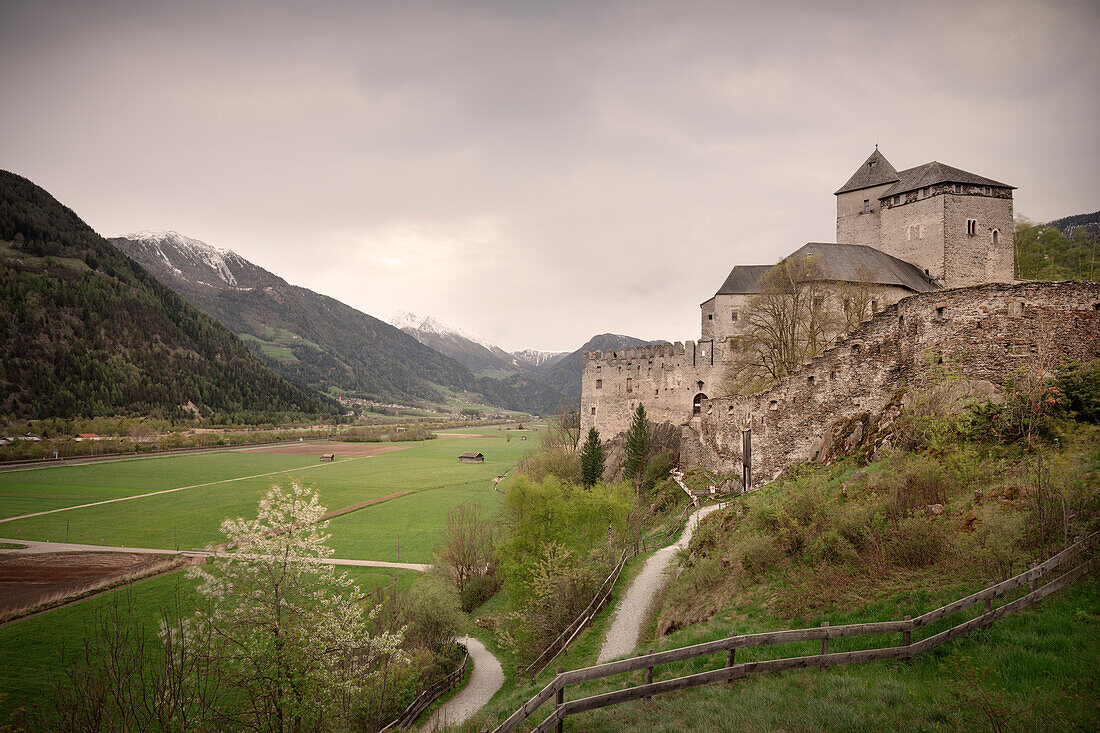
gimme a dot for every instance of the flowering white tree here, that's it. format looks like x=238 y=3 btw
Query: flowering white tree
x=288 y=633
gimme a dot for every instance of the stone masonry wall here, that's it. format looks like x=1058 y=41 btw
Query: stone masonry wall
x=974 y=258
x=852 y=225
x=665 y=378
x=990 y=329
x=913 y=231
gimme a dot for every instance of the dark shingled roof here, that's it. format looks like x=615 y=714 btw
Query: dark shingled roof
x=875 y=171
x=840 y=263
x=933 y=173
x=743 y=279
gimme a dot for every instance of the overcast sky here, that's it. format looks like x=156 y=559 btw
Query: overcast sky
x=534 y=172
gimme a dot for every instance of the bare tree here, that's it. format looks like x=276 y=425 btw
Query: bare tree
x=565 y=428
x=856 y=298
x=788 y=323
x=468 y=542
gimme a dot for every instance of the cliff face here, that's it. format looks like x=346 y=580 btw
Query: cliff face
x=987 y=332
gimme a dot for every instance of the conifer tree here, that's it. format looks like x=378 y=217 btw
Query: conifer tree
x=637 y=446
x=592 y=458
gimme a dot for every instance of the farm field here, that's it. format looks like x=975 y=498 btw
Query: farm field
x=190 y=518
x=31 y=649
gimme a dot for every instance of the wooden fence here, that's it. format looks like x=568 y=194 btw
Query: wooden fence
x=561 y=644
x=428 y=696
x=732 y=670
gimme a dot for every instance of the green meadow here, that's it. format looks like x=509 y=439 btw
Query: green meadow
x=230 y=483
x=31 y=649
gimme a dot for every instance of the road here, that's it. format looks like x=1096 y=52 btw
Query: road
x=486 y=679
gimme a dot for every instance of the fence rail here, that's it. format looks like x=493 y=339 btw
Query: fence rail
x=560 y=644
x=824 y=633
x=428 y=696
x=599 y=600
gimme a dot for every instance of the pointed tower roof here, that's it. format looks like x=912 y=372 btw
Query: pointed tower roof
x=875 y=171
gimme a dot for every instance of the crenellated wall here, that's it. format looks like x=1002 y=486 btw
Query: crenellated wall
x=988 y=330
x=666 y=378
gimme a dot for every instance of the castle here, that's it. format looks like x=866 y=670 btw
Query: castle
x=898 y=233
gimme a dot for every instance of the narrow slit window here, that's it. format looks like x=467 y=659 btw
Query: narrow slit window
x=599 y=384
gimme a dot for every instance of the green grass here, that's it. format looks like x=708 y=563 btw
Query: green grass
x=190 y=518
x=31 y=649
x=42 y=489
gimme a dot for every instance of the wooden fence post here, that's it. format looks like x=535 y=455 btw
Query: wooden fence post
x=824 y=644
x=1035 y=580
x=648 y=672
x=559 y=699
x=907 y=635
x=988 y=609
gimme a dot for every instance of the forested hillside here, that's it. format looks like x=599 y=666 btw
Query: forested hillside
x=312 y=339
x=1045 y=252
x=87 y=332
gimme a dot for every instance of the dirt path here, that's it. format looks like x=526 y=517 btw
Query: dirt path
x=486 y=679
x=34 y=547
x=622 y=637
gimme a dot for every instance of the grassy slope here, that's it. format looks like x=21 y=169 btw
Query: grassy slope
x=1034 y=669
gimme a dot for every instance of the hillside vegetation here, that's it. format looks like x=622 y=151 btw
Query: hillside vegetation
x=317 y=341
x=87 y=332
x=1046 y=252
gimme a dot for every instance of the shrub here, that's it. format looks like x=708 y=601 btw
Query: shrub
x=758 y=553
x=560 y=462
x=993 y=545
x=433 y=612
x=916 y=542
x=832 y=547
x=1079 y=386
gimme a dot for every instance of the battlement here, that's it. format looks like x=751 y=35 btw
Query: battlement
x=692 y=349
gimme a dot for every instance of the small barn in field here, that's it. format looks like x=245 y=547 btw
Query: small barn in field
x=471 y=458
x=328 y=457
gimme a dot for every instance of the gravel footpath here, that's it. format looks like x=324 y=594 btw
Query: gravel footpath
x=486 y=679
x=622 y=637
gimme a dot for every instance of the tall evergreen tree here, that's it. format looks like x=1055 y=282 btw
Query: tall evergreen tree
x=592 y=458
x=637 y=446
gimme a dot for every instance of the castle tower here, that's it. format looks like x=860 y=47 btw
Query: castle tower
x=857 y=202
x=953 y=225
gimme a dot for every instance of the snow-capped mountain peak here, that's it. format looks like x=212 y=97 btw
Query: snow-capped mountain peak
x=427 y=324
x=166 y=243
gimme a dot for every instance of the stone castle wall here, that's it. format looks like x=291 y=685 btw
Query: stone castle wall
x=853 y=226
x=665 y=378
x=989 y=329
x=974 y=258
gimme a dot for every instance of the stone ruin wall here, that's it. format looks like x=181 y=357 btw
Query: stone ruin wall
x=664 y=377
x=990 y=329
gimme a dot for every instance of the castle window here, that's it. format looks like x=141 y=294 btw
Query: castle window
x=599 y=384
x=866 y=206
x=593 y=409
x=629 y=385
x=699 y=385
x=996 y=236
x=924 y=193
x=733 y=316
x=897 y=200
x=939 y=312
x=657 y=392
x=971 y=227
x=874 y=306
x=871 y=164
x=710 y=316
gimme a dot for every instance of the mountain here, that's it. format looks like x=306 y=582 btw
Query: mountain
x=538 y=360
x=472 y=351
x=1067 y=224
x=564 y=373
x=313 y=339
x=87 y=332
